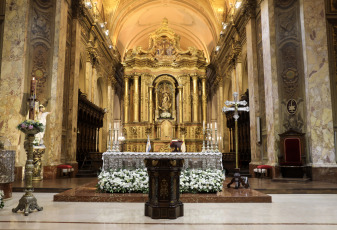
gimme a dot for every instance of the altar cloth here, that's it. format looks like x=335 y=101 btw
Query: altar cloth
x=131 y=160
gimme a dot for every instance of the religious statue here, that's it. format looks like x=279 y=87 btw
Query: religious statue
x=165 y=104
x=42 y=117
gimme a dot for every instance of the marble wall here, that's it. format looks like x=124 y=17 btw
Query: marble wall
x=317 y=85
x=14 y=80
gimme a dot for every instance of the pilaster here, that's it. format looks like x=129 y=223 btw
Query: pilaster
x=271 y=82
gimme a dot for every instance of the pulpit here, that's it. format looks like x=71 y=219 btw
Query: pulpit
x=164 y=179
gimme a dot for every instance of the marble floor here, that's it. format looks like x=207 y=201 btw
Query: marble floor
x=287 y=211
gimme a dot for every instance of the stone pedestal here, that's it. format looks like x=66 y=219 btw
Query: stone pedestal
x=164 y=177
x=7 y=161
x=38 y=151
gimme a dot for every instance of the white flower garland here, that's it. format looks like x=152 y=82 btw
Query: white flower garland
x=191 y=181
x=1 y=199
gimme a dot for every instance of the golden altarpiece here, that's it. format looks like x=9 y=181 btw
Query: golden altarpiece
x=164 y=94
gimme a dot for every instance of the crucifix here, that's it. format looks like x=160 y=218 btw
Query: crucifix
x=237 y=177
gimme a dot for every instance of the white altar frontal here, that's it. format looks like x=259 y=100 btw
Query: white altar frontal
x=131 y=160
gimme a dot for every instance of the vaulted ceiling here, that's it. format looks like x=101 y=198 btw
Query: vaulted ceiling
x=198 y=22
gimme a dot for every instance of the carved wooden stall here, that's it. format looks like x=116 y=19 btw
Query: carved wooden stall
x=90 y=120
x=243 y=136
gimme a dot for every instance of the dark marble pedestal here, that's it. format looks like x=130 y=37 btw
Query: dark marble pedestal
x=164 y=193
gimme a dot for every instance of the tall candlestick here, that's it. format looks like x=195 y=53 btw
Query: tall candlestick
x=32 y=99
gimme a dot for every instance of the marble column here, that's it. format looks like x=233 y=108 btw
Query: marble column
x=110 y=115
x=204 y=100
x=126 y=99
x=220 y=118
x=93 y=89
x=271 y=82
x=226 y=96
x=150 y=105
x=14 y=80
x=136 y=99
x=195 y=99
x=53 y=136
x=253 y=81
x=88 y=76
x=238 y=76
x=73 y=94
x=319 y=127
x=234 y=81
x=180 y=88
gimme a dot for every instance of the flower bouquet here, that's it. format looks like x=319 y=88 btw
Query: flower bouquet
x=30 y=127
x=136 y=180
x=1 y=199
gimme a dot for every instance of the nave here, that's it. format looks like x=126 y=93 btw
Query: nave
x=287 y=211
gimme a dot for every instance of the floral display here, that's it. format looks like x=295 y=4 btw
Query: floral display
x=30 y=125
x=191 y=181
x=197 y=180
x=1 y=199
x=124 y=180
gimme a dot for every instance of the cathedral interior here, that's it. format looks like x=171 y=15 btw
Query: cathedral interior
x=164 y=70
x=98 y=73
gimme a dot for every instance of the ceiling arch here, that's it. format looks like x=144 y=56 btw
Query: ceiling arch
x=197 y=22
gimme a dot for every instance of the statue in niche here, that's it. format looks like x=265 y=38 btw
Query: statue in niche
x=165 y=100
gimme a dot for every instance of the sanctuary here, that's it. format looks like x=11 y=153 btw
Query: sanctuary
x=164 y=93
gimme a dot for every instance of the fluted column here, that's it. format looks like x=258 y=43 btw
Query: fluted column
x=195 y=99
x=204 y=100
x=136 y=99
x=150 y=104
x=126 y=99
x=180 y=88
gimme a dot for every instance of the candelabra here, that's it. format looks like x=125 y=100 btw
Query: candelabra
x=216 y=150
x=211 y=139
x=117 y=142
x=203 y=141
x=109 y=141
x=208 y=144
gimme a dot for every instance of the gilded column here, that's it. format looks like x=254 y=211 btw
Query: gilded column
x=204 y=100
x=136 y=99
x=126 y=99
x=180 y=88
x=195 y=98
x=150 y=104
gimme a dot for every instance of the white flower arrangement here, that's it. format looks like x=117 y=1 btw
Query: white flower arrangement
x=197 y=180
x=191 y=181
x=1 y=199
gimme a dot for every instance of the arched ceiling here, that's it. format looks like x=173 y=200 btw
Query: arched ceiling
x=198 y=22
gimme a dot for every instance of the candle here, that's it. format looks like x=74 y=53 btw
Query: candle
x=109 y=125
x=208 y=126
x=215 y=125
x=203 y=124
x=32 y=99
x=211 y=125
